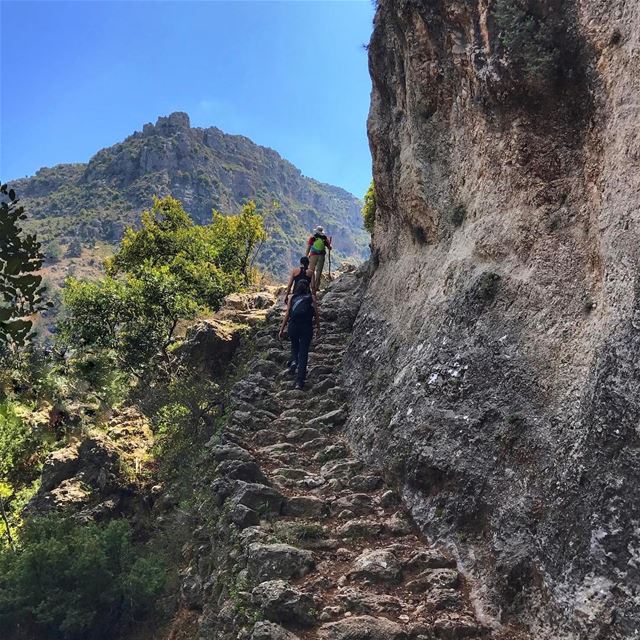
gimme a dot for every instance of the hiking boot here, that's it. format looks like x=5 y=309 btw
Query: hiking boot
x=292 y=368
x=299 y=386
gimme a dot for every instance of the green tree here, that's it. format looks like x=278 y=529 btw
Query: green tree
x=369 y=208
x=132 y=319
x=213 y=260
x=53 y=252
x=21 y=453
x=169 y=269
x=21 y=290
x=238 y=239
x=68 y=580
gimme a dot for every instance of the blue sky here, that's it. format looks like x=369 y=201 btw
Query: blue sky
x=292 y=75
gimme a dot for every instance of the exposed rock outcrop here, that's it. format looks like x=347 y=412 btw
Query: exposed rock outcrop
x=97 y=477
x=494 y=361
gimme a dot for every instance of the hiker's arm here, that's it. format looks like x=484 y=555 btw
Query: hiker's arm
x=286 y=295
x=284 y=320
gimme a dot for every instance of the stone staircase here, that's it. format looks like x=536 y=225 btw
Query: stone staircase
x=298 y=539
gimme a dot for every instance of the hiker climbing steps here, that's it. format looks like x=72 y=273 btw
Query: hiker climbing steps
x=308 y=542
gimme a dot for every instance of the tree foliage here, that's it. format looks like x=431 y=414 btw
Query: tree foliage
x=21 y=290
x=369 y=208
x=68 y=580
x=132 y=318
x=169 y=269
x=239 y=238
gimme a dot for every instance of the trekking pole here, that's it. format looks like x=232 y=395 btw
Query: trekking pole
x=330 y=242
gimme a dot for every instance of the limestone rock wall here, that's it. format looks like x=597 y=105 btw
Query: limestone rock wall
x=495 y=362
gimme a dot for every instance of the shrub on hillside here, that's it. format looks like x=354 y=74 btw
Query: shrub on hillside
x=20 y=284
x=528 y=39
x=369 y=208
x=168 y=270
x=68 y=580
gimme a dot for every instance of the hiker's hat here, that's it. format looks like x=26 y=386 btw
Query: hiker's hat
x=318 y=230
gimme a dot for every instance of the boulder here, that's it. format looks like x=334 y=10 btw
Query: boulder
x=429 y=559
x=360 y=528
x=243 y=516
x=59 y=465
x=457 y=626
x=191 y=590
x=303 y=435
x=99 y=463
x=357 y=503
x=379 y=565
x=221 y=452
x=241 y=470
x=280 y=602
x=210 y=345
x=305 y=506
x=270 y=631
x=341 y=468
x=435 y=579
x=364 y=602
x=258 y=497
x=334 y=418
x=362 y=628
x=278 y=561
x=332 y=452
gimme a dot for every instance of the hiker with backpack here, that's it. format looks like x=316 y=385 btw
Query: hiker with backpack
x=317 y=247
x=299 y=318
x=301 y=273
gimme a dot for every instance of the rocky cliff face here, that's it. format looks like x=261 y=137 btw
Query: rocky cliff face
x=496 y=354
x=204 y=168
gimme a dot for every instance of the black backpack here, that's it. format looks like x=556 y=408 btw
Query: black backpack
x=301 y=308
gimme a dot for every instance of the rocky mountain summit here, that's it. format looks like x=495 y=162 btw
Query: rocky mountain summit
x=494 y=361
x=205 y=169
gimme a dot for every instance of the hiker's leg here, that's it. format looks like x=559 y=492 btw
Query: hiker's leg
x=313 y=258
x=318 y=270
x=295 y=344
x=303 y=354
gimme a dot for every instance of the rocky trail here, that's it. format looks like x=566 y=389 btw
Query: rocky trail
x=306 y=541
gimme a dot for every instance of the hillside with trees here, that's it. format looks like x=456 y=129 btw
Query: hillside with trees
x=80 y=211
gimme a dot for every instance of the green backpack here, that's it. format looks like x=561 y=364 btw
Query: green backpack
x=319 y=243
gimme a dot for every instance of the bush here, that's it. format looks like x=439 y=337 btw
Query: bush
x=68 y=580
x=132 y=318
x=369 y=208
x=169 y=270
x=53 y=252
x=185 y=412
x=74 y=250
x=20 y=284
x=528 y=40
x=18 y=446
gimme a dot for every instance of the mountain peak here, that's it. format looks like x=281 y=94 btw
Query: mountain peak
x=176 y=121
x=205 y=169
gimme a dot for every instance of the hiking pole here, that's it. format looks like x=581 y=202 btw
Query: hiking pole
x=330 y=241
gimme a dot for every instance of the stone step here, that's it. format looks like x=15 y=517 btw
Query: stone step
x=323 y=549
